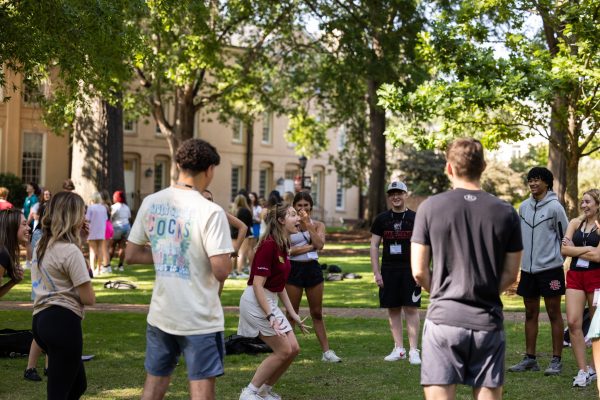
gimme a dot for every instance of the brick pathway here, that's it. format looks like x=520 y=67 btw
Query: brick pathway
x=333 y=311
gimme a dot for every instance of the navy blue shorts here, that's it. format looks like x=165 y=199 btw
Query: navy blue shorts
x=203 y=353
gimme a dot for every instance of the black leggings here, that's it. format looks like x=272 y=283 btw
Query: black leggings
x=58 y=332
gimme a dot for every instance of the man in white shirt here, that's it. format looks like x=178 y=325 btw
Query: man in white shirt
x=190 y=248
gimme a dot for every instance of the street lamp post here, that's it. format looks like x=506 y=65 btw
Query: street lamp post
x=302 y=160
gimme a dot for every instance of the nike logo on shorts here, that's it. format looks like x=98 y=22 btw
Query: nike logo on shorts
x=416 y=298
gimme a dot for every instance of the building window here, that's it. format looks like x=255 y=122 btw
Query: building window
x=161 y=173
x=238 y=131
x=340 y=194
x=267 y=134
x=33 y=93
x=236 y=181
x=265 y=175
x=341 y=138
x=292 y=172
x=316 y=189
x=129 y=126
x=32 y=156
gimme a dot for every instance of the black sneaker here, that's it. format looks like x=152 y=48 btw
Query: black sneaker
x=32 y=375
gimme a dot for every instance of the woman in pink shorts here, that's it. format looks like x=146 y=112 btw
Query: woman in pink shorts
x=583 y=277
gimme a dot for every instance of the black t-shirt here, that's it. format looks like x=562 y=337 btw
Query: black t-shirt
x=585 y=239
x=470 y=232
x=244 y=215
x=395 y=229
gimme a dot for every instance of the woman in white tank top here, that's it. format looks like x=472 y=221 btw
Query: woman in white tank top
x=306 y=274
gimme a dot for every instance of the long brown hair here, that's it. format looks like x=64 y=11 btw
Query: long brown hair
x=595 y=195
x=10 y=222
x=275 y=228
x=61 y=222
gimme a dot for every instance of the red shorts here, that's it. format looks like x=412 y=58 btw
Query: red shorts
x=588 y=281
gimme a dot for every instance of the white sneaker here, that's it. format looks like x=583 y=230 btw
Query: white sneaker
x=242 y=275
x=248 y=394
x=109 y=269
x=270 y=395
x=330 y=356
x=121 y=269
x=399 y=353
x=232 y=275
x=103 y=271
x=581 y=379
x=591 y=374
x=413 y=357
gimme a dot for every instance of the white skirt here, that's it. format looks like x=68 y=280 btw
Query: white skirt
x=253 y=320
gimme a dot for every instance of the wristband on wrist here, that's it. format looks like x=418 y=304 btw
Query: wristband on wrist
x=269 y=316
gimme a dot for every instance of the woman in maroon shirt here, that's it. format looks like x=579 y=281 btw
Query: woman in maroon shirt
x=259 y=313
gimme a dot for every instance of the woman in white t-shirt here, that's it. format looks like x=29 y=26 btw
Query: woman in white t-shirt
x=120 y=215
x=61 y=287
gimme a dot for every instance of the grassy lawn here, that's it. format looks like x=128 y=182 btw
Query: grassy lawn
x=118 y=342
x=360 y=293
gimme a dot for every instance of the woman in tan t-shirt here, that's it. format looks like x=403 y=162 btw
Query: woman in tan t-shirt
x=61 y=287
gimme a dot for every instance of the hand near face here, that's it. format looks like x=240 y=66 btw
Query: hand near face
x=85 y=230
x=304 y=217
x=18 y=274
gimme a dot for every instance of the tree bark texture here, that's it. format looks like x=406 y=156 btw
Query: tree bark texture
x=114 y=147
x=249 y=154
x=377 y=201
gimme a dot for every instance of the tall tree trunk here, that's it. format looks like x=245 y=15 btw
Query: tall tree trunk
x=377 y=202
x=557 y=162
x=249 y=154
x=114 y=146
x=572 y=188
x=183 y=126
x=90 y=136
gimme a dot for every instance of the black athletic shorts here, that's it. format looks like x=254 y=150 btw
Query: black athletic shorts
x=305 y=274
x=548 y=283
x=399 y=288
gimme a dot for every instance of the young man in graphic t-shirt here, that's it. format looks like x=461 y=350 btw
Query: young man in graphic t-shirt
x=398 y=290
x=190 y=247
x=474 y=240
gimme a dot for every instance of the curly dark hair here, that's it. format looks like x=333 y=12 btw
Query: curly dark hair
x=541 y=173
x=196 y=155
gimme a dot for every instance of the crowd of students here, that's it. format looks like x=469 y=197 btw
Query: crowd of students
x=453 y=247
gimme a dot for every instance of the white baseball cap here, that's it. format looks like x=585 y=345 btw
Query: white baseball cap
x=397 y=185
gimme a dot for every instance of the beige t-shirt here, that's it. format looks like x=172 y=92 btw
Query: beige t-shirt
x=54 y=283
x=184 y=230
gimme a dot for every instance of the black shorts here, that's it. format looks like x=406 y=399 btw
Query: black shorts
x=399 y=288
x=305 y=274
x=548 y=283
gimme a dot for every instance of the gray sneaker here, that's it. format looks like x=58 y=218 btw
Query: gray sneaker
x=526 y=364
x=554 y=368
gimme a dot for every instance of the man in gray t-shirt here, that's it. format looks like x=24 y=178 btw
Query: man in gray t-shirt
x=474 y=240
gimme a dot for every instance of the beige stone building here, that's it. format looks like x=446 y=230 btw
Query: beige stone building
x=28 y=149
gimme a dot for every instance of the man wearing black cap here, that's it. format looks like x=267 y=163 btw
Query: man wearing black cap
x=543 y=222
x=398 y=290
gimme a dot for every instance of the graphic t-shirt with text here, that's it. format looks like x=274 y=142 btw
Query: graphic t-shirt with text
x=395 y=230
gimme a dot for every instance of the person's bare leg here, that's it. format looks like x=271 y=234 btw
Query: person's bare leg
x=395 y=320
x=413 y=325
x=440 y=392
x=287 y=354
x=295 y=294
x=596 y=355
x=532 y=312
x=155 y=387
x=556 y=323
x=484 y=393
x=575 y=302
x=314 y=295
x=35 y=351
x=203 y=389
x=93 y=246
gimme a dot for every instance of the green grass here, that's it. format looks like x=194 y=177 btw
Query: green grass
x=360 y=293
x=118 y=341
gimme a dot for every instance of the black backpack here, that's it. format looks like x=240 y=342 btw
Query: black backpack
x=236 y=344
x=15 y=343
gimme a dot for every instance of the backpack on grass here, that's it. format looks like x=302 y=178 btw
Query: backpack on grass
x=15 y=343
x=236 y=344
